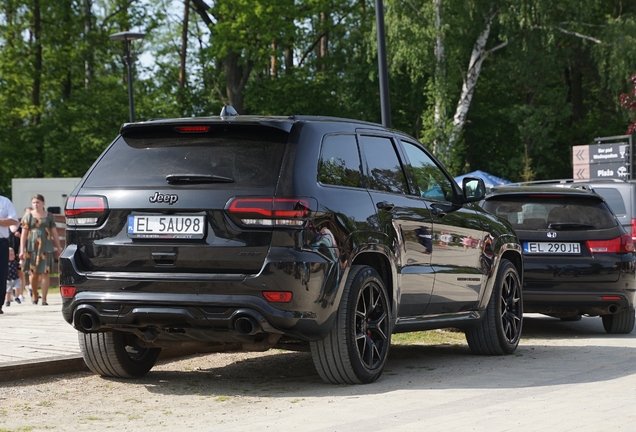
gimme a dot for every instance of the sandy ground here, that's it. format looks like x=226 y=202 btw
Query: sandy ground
x=563 y=375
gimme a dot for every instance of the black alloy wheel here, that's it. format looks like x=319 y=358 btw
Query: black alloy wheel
x=511 y=308
x=357 y=348
x=372 y=325
x=499 y=331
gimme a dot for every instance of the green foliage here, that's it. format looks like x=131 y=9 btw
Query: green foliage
x=554 y=83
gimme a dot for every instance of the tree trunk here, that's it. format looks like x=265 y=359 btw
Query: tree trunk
x=67 y=83
x=477 y=58
x=439 y=114
x=184 y=51
x=88 y=28
x=323 y=45
x=37 y=61
x=289 y=60
x=574 y=81
x=235 y=79
x=272 y=61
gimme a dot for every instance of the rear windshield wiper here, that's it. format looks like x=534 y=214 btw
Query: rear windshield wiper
x=570 y=226
x=197 y=178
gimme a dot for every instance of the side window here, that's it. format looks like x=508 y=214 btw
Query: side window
x=614 y=199
x=340 y=161
x=384 y=168
x=429 y=178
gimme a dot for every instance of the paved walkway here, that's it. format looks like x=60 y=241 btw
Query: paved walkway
x=36 y=340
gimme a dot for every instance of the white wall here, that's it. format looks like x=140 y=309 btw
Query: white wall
x=54 y=190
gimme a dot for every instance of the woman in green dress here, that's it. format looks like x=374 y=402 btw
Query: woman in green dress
x=39 y=247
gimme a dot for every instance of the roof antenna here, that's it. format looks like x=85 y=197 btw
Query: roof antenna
x=228 y=111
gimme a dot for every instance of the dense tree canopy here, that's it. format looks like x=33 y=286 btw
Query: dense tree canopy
x=499 y=85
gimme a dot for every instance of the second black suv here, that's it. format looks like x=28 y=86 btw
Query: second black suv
x=578 y=258
x=281 y=232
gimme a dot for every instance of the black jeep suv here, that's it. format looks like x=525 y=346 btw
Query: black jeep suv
x=281 y=232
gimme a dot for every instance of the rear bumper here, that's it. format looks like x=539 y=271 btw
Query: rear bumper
x=582 y=303
x=225 y=308
x=599 y=287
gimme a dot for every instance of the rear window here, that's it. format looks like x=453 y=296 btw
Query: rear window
x=249 y=156
x=535 y=213
x=614 y=200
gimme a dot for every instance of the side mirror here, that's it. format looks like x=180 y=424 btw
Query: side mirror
x=474 y=189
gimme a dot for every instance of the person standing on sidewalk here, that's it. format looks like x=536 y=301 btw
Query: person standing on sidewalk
x=39 y=247
x=8 y=217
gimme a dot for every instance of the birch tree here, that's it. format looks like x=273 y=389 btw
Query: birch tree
x=478 y=55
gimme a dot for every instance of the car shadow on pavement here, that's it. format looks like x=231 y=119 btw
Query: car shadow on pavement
x=551 y=353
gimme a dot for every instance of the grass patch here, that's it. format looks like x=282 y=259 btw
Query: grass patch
x=430 y=337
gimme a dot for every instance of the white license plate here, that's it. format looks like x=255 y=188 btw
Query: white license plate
x=183 y=226
x=551 y=248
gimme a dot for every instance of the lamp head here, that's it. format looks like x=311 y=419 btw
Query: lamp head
x=127 y=36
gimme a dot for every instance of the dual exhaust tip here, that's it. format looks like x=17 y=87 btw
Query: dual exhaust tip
x=246 y=322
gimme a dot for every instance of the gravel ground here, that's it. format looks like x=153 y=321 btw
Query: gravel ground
x=553 y=380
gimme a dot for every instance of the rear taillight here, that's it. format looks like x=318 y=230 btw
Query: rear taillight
x=622 y=244
x=634 y=230
x=84 y=210
x=271 y=211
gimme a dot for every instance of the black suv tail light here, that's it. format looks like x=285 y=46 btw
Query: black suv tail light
x=271 y=211
x=85 y=211
x=622 y=244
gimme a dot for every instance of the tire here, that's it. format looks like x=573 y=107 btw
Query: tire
x=499 y=331
x=357 y=348
x=572 y=318
x=114 y=354
x=619 y=323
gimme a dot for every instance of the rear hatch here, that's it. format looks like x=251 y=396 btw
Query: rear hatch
x=158 y=199
x=565 y=238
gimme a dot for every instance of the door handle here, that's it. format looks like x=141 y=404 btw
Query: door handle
x=385 y=205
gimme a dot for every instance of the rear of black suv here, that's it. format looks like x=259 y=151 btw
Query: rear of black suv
x=578 y=258
x=280 y=231
x=175 y=217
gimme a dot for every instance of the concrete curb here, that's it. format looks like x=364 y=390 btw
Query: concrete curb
x=15 y=371
x=19 y=370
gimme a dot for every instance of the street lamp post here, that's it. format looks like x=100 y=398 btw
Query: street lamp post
x=127 y=37
x=385 y=104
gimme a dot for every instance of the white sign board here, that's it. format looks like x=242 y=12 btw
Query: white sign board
x=54 y=190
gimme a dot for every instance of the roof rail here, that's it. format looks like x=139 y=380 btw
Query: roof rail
x=565 y=181
x=539 y=182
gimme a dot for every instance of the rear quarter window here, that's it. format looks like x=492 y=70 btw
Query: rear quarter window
x=250 y=156
x=339 y=162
